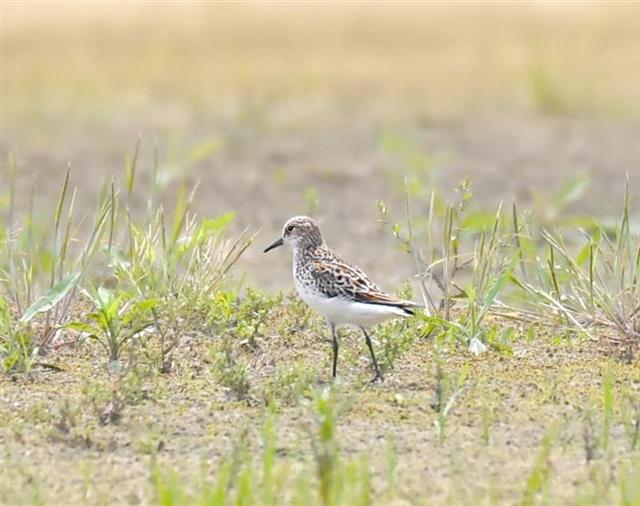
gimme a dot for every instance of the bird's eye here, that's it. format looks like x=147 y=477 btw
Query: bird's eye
x=290 y=228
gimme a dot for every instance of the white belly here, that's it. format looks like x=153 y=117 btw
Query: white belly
x=341 y=311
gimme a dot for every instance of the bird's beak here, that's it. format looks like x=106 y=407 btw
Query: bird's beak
x=277 y=243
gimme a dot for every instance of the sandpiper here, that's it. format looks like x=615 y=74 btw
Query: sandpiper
x=340 y=292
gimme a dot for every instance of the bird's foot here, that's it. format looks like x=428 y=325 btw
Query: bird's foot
x=378 y=377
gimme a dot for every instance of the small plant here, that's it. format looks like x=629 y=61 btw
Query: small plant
x=468 y=258
x=628 y=484
x=167 y=487
x=149 y=274
x=632 y=423
x=397 y=338
x=599 y=285
x=182 y=272
x=487 y=422
x=540 y=475
x=491 y=271
x=607 y=407
x=325 y=446
x=242 y=318
x=179 y=263
x=18 y=349
x=588 y=436
x=475 y=279
x=230 y=370
x=290 y=382
x=126 y=385
x=40 y=270
x=117 y=321
x=447 y=392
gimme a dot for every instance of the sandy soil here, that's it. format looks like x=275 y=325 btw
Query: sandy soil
x=348 y=162
x=54 y=444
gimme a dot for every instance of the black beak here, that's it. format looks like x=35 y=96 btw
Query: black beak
x=277 y=243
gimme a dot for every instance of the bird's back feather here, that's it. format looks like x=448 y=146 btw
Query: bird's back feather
x=331 y=277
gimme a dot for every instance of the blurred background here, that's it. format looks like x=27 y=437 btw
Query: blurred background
x=279 y=109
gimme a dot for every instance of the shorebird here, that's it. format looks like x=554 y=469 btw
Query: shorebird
x=339 y=291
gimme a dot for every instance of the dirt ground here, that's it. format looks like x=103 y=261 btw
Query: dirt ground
x=55 y=447
x=264 y=177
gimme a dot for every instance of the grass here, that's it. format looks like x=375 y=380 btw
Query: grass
x=132 y=274
x=181 y=439
x=219 y=394
x=594 y=285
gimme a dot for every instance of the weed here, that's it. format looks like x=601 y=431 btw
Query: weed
x=118 y=320
x=447 y=392
x=632 y=423
x=397 y=339
x=167 y=487
x=598 y=285
x=325 y=446
x=487 y=421
x=628 y=487
x=148 y=269
x=391 y=467
x=243 y=319
x=588 y=435
x=230 y=371
x=607 y=407
x=44 y=266
x=180 y=267
x=290 y=382
x=18 y=350
x=488 y=266
x=540 y=475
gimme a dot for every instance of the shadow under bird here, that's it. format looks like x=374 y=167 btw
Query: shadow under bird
x=339 y=291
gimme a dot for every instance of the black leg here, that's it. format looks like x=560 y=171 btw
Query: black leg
x=335 y=349
x=378 y=375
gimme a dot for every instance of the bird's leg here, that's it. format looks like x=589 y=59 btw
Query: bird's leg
x=335 y=349
x=378 y=375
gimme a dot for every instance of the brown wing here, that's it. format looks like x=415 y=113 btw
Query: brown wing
x=338 y=278
x=383 y=298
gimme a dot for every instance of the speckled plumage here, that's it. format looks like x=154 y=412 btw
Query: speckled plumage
x=320 y=269
x=341 y=292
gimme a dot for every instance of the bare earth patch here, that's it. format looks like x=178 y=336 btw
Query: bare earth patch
x=84 y=435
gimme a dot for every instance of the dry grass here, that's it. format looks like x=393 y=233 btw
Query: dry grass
x=451 y=57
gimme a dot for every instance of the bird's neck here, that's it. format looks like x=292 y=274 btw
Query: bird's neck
x=309 y=243
x=306 y=248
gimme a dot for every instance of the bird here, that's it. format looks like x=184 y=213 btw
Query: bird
x=341 y=292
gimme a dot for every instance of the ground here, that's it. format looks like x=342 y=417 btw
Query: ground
x=69 y=441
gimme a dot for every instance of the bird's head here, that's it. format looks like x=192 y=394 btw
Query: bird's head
x=299 y=231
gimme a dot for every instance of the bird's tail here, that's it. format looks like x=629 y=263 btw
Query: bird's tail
x=407 y=307
x=409 y=310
